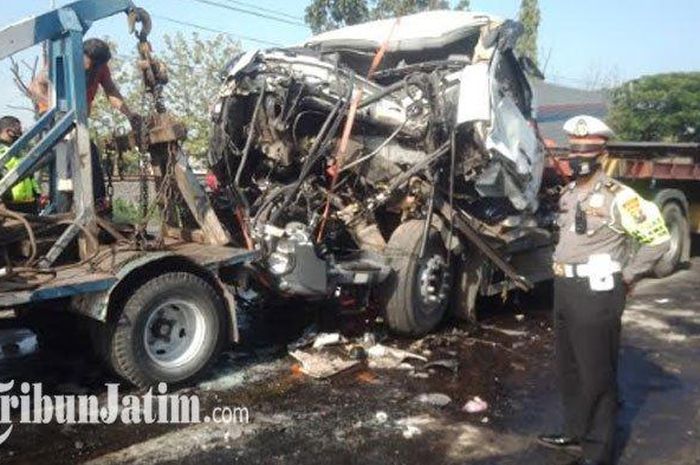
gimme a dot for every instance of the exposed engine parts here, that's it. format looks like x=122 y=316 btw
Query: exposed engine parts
x=322 y=164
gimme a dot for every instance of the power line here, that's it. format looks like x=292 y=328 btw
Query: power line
x=219 y=31
x=256 y=7
x=250 y=12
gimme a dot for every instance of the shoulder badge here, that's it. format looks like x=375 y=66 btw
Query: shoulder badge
x=633 y=207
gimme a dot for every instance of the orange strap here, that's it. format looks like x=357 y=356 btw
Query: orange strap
x=347 y=130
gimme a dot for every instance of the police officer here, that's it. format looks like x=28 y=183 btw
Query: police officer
x=594 y=269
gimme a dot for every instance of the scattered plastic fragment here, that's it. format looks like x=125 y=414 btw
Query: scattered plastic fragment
x=321 y=364
x=410 y=431
x=435 y=399
x=475 y=405
x=327 y=339
x=381 y=356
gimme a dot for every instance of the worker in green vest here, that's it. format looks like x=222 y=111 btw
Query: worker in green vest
x=24 y=196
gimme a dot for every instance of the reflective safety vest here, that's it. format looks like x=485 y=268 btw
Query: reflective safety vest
x=25 y=190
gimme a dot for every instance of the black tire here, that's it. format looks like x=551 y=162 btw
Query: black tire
x=178 y=311
x=407 y=311
x=679 y=228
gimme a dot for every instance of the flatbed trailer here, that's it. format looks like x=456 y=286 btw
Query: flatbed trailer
x=158 y=305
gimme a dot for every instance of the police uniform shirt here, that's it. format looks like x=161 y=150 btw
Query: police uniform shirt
x=614 y=213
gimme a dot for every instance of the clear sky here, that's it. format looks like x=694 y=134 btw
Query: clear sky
x=581 y=42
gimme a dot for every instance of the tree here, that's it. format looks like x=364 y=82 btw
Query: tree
x=529 y=17
x=324 y=15
x=194 y=67
x=662 y=107
x=391 y=8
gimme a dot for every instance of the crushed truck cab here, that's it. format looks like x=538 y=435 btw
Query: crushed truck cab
x=379 y=164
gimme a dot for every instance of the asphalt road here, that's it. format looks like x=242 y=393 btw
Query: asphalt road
x=373 y=416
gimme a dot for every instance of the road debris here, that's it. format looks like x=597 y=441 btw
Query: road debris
x=381 y=417
x=507 y=332
x=327 y=339
x=435 y=399
x=321 y=364
x=410 y=431
x=381 y=356
x=475 y=405
x=357 y=353
x=448 y=364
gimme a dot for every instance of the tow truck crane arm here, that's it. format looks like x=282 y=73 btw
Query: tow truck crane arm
x=63 y=30
x=78 y=16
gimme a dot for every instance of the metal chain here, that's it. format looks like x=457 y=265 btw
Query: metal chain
x=110 y=169
x=144 y=160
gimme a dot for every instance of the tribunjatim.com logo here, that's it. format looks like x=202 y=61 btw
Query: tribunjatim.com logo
x=159 y=407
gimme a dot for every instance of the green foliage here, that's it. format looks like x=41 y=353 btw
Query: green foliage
x=128 y=212
x=391 y=8
x=124 y=211
x=324 y=15
x=529 y=17
x=463 y=5
x=662 y=107
x=194 y=67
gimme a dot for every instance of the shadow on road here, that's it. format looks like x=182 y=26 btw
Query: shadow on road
x=639 y=378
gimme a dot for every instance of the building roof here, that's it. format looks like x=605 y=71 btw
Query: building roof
x=555 y=104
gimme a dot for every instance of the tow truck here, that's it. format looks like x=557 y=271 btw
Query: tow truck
x=162 y=302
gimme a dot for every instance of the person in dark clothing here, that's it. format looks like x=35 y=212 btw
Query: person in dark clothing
x=598 y=217
x=96 y=58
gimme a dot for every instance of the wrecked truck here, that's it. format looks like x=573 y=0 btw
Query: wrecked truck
x=390 y=165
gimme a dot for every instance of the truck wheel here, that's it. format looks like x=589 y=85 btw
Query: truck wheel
x=170 y=330
x=679 y=229
x=418 y=291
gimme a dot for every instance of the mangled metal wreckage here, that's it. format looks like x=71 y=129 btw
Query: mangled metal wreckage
x=388 y=163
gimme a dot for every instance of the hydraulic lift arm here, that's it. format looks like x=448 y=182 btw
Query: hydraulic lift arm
x=57 y=23
x=63 y=30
